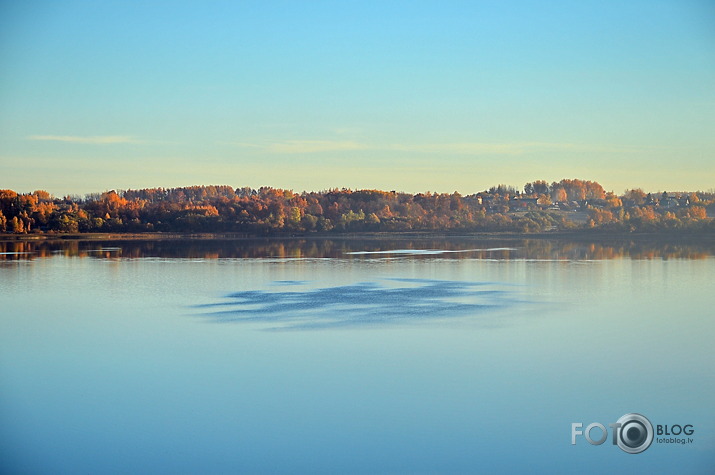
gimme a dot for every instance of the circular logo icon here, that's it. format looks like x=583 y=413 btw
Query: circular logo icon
x=635 y=433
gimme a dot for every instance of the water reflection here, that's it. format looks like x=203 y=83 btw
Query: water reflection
x=362 y=248
x=391 y=301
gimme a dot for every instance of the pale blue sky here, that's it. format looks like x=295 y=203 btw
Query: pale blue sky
x=411 y=96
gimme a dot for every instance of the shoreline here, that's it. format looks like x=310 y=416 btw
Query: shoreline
x=509 y=236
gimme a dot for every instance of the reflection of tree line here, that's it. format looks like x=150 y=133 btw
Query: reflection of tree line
x=342 y=248
x=563 y=205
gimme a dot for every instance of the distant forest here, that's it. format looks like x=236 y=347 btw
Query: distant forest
x=538 y=207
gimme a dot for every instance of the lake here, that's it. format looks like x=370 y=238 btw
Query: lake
x=432 y=355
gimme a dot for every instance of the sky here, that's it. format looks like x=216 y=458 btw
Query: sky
x=410 y=96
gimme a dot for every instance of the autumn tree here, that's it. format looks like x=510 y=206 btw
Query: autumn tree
x=636 y=195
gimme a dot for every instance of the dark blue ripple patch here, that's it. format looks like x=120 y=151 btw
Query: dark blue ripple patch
x=289 y=282
x=392 y=301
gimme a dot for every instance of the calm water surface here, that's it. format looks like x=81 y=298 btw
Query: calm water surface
x=349 y=356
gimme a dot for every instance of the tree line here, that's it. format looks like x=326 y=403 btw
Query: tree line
x=538 y=207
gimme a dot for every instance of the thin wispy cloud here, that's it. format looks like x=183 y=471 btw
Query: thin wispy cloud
x=515 y=148
x=92 y=140
x=478 y=148
x=457 y=148
x=302 y=146
x=313 y=146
